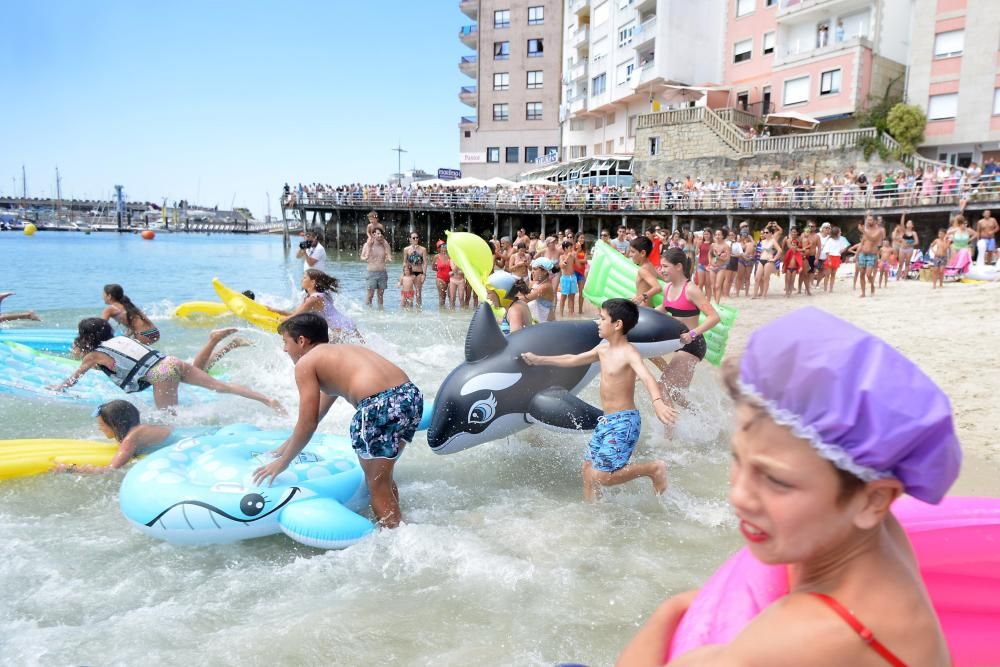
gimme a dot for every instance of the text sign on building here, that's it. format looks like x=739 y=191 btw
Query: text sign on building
x=473 y=158
x=449 y=174
x=548 y=158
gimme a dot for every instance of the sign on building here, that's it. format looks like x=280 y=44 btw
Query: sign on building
x=449 y=174
x=473 y=158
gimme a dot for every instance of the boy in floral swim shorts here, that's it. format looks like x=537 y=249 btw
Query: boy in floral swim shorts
x=607 y=459
x=388 y=407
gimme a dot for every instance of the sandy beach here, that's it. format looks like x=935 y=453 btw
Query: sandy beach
x=951 y=333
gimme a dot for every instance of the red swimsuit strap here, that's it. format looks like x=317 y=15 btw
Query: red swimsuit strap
x=865 y=633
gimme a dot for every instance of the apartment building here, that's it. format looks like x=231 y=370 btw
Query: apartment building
x=955 y=76
x=514 y=92
x=619 y=59
x=822 y=58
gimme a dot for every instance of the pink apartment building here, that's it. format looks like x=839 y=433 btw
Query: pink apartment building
x=955 y=76
x=822 y=58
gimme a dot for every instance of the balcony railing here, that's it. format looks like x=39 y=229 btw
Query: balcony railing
x=796 y=52
x=468 y=120
x=581 y=38
x=469 y=65
x=470 y=8
x=468 y=95
x=578 y=71
x=645 y=33
x=469 y=34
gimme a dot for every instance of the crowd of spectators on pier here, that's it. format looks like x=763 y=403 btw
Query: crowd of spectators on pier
x=908 y=188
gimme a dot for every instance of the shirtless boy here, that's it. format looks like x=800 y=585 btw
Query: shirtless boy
x=376 y=252
x=885 y=255
x=388 y=407
x=567 y=279
x=872 y=235
x=607 y=462
x=987 y=229
x=646 y=283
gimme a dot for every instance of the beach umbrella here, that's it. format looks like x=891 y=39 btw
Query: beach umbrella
x=792 y=119
x=498 y=182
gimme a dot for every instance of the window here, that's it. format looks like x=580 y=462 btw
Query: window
x=768 y=43
x=501 y=112
x=536 y=15
x=996 y=101
x=512 y=152
x=600 y=14
x=770 y=3
x=829 y=82
x=535 y=79
x=501 y=50
x=493 y=154
x=942 y=106
x=530 y=153
x=598 y=84
x=468 y=134
x=610 y=120
x=501 y=81
x=948 y=44
x=623 y=73
x=577 y=124
x=597 y=148
x=551 y=150
x=535 y=48
x=501 y=18
x=625 y=35
x=598 y=122
x=609 y=146
x=599 y=50
x=533 y=111
x=744 y=7
x=796 y=91
x=654 y=146
x=742 y=50
x=633 y=120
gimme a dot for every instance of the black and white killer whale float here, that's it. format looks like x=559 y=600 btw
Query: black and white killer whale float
x=494 y=394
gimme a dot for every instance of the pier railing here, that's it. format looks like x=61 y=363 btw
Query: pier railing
x=715 y=196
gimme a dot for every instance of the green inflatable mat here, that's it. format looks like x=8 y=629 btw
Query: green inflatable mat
x=613 y=275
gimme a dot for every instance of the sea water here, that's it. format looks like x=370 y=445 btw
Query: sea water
x=500 y=561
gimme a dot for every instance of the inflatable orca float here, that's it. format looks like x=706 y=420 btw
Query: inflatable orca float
x=494 y=394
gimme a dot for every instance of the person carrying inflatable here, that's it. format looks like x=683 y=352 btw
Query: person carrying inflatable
x=819 y=457
x=517 y=314
x=685 y=302
x=134 y=367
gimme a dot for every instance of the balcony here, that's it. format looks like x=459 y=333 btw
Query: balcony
x=470 y=8
x=467 y=122
x=577 y=104
x=805 y=8
x=468 y=95
x=469 y=35
x=647 y=73
x=578 y=71
x=469 y=65
x=580 y=39
x=645 y=6
x=645 y=34
x=580 y=7
x=802 y=53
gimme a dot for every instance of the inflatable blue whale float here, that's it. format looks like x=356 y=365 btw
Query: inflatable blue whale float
x=200 y=490
x=495 y=394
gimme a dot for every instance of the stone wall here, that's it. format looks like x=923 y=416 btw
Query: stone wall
x=816 y=163
x=683 y=141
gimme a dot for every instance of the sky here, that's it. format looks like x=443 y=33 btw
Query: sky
x=221 y=103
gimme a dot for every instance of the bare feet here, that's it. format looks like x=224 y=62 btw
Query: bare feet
x=219 y=334
x=659 y=478
x=4 y=295
x=32 y=316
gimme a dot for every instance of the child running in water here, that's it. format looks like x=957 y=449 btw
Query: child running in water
x=320 y=288
x=407 y=287
x=135 y=367
x=607 y=461
x=121 y=309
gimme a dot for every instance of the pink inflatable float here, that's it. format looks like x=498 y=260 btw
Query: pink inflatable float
x=957 y=544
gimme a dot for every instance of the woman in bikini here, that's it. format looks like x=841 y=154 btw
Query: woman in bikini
x=718 y=255
x=415 y=255
x=817 y=498
x=121 y=309
x=770 y=249
x=911 y=241
x=747 y=263
x=685 y=302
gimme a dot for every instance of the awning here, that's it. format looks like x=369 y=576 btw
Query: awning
x=792 y=119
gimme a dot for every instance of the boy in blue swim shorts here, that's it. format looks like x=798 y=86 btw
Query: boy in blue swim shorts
x=388 y=407
x=607 y=460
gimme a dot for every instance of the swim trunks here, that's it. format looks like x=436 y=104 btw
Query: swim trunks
x=567 y=285
x=386 y=421
x=377 y=280
x=613 y=440
x=866 y=260
x=991 y=245
x=151 y=336
x=834 y=261
x=169 y=368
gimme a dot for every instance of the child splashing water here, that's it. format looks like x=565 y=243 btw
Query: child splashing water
x=819 y=457
x=134 y=367
x=121 y=309
x=120 y=421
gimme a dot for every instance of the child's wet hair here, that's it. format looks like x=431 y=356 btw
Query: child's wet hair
x=310 y=326
x=677 y=256
x=323 y=282
x=91 y=332
x=622 y=310
x=642 y=244
x=120 y=416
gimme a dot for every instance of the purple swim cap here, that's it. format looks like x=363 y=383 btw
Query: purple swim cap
x=861 y=404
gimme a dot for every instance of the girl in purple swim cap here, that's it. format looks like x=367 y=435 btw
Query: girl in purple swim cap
x=819 y=457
